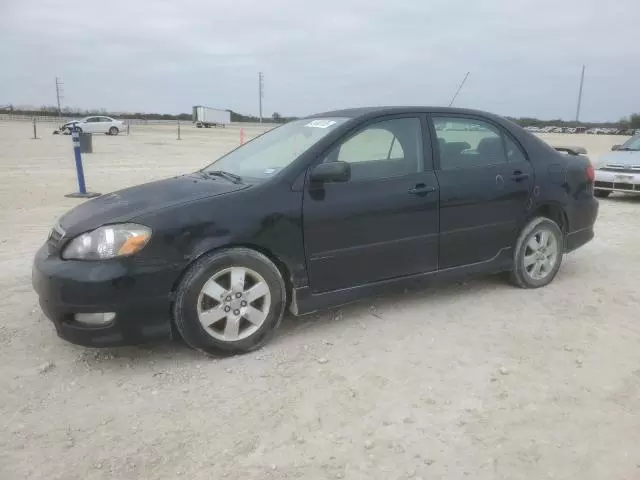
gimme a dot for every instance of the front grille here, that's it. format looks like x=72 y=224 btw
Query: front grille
x=618 y=186
x=621 y=168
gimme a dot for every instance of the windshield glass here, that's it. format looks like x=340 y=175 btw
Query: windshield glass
x=632 y=144
x=268 y=154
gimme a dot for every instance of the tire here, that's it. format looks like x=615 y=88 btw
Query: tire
x=523 y=274
x=212 y=273
x=601 y=193
x=114 y=131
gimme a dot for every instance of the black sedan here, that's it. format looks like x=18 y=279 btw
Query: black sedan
x=316 y=213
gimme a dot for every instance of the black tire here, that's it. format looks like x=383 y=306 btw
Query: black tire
x=185 y=313
x=114 y=131
x=519 y=275
x=601 y=193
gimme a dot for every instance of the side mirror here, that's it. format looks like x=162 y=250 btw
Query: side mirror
x=616 y=147
x=331 y=172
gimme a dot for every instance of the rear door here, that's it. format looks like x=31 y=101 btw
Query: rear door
x=90 y=125
x=486 y=184
x=381 y=224
x=103 y=125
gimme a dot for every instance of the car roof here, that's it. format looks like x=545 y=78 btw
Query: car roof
x=375 y=111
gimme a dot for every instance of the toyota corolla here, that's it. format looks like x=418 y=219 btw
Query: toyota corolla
x=315 y=213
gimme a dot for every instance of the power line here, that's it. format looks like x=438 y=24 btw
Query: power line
x=459 y=88
x=580 y=95
x=260 y=92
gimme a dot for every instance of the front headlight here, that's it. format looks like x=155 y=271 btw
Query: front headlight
x=108 y=242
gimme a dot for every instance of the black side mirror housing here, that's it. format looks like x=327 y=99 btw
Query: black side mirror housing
x=331 y=172
x=615 y=147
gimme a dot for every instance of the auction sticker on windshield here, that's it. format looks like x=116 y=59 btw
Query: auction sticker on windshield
x=320 y=123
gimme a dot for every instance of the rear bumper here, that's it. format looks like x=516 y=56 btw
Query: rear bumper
x=582 y=215
x=138 y=295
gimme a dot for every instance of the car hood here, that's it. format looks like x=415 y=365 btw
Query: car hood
x=621 y=157
x=125 y=205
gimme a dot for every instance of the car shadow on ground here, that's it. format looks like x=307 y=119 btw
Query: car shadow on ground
x=622 y=198
x=293 y=330
x=298 y=330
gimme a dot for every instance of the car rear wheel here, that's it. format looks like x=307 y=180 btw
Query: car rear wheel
x=538 y=254
x=113 y=131
x=601 y=193
x=230 y=302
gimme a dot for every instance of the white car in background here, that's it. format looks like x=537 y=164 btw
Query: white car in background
x=619 y=170
x=95 y=124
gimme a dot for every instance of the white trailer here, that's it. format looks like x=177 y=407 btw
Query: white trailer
x=210 y=117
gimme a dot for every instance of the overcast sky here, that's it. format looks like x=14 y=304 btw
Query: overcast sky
x=524 y=56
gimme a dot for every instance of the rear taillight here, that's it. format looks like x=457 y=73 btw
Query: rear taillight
x=591 y=174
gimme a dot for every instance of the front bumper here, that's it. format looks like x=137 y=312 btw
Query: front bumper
x=138 y=294
x=613 y=181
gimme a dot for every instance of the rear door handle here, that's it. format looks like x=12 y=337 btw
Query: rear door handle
x=421 y=189
x=518 y=175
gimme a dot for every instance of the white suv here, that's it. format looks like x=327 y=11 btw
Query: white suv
x=97 y=124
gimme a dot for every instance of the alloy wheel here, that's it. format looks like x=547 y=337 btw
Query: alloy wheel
x=233 y=304
x=541 y=254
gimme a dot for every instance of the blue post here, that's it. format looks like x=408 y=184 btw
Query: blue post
x=79 y=170
x=82 y=189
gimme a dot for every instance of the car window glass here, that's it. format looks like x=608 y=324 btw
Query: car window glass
x=514 y=153
x=468 y=143
x=385 y=149
x=92 y=119
x=105 y=119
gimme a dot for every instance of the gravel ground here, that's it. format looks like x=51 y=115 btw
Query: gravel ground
x=476 y=379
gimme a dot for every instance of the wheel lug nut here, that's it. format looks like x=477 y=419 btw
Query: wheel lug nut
x=238 y=295
x=236 y=312
x=243 y=303
x=227 y=308
x=228 y=299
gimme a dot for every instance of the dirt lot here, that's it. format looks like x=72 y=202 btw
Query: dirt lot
x=477 y=379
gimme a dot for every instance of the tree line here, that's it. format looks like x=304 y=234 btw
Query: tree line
x=630 y=122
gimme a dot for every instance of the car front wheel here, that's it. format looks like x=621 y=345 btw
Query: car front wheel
x=538 y=253
x=113 y=131
x=229 y=302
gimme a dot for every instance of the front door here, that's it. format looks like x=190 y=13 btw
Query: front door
x=486 y=184
x=381 y=224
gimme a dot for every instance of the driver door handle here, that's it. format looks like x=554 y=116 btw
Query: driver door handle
x=421 y=189
x=518 y=175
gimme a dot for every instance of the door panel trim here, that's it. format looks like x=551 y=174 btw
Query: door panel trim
x=350 y=250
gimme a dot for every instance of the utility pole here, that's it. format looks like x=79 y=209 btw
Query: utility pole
x=59 y=86
x=580 y=95
x=260 y=91
x=459 y=88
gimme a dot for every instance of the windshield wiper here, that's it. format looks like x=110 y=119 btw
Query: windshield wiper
x=232 y=177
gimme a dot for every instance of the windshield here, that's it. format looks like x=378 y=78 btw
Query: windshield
x=268 y=154
x=632 y=144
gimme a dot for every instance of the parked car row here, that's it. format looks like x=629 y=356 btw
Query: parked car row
x=590 y=131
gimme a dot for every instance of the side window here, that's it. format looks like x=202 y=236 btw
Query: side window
x=93 y=119
x=468 y=143
x=514 y=153
x=391 y=148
